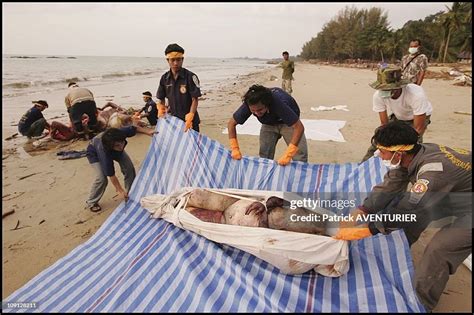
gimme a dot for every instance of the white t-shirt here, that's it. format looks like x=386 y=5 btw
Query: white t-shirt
x=412 y=101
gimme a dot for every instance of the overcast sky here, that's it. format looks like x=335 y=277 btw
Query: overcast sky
x=202 y=29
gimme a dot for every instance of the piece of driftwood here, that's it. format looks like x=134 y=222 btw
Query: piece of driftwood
x=12 y=136
x=6 y=214
x=463 y=113
x=23 y=177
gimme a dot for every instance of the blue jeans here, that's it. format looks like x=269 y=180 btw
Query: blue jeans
x=101 y=181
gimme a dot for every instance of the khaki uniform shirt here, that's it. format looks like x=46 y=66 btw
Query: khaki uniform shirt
x=77 y=95
x=288 y=69
x=411 y=69
x=442 y=185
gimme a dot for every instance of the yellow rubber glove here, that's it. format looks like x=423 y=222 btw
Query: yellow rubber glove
x=234 y=145
x=188 y=121
x=352 y=234
x=161 y=110
x=289 y=153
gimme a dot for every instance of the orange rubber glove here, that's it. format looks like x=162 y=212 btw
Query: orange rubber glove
x=352 y=234
x=188 y=121
x=234 y=145
x=289 y=153
x=161 y=110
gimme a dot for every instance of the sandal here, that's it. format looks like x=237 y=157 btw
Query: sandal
x=95 y=208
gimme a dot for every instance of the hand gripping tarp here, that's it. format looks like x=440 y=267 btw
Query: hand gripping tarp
x=290 y=252
x=135 y=263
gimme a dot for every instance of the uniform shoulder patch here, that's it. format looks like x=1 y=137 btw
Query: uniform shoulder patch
x=420 y=186
x=196 y=80
x=418 y=190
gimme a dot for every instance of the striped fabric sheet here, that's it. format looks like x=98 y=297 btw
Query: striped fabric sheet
x=138 y=264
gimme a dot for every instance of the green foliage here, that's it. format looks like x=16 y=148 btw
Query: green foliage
x=366 y=34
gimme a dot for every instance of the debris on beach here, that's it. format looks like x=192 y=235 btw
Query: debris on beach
x=11 y=137
x=15 y=195
x=29 y=175
x=462 y=113
x=7 y=213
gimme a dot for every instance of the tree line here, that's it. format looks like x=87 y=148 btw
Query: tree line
x=366 y=34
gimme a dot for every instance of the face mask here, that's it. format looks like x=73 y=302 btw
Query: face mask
x=385 y=94
x=413 y=50
x=390 y=165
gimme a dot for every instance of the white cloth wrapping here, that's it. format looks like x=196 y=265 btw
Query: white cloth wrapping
x=291 y=252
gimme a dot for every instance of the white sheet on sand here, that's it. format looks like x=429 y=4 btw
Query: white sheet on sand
x=325 y=108
x=320 y=129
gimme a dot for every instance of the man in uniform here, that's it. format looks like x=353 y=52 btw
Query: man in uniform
x=150 y=109
x=80 y=101
x=279 y=114
x=414 y=64
x=32 y=123
x=442 y=186
x=181 y=87
x=287 y=75
x=406 y=101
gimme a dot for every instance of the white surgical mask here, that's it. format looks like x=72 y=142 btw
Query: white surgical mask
x=389 y=163
x=413 y=50
x=385 y=94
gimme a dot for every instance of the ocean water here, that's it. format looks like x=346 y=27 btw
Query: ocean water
x=34 y=74
x=117 y=79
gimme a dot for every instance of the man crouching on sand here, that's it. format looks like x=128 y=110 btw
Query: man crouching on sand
x=102 y=151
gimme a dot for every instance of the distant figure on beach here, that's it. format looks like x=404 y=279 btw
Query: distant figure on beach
x=102 y=151
x=80 y=101
x=406 y=101
x=414 y=64
x=181 y=87
x=287 y=75
x=32 y=123
x=150 y=109
x=441 y=188
x=280 y=117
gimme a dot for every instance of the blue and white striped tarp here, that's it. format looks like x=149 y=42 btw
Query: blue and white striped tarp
x=135 y=263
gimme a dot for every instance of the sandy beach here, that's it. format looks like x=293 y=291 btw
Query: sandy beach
x=48 y=195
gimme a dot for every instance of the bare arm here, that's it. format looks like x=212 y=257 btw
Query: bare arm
x=231 y=128
x=298 y=130
x=147 y=131
x=419 y=122
x=194 y=105
x=383 y=118
x=421 y=76
x=122 y=193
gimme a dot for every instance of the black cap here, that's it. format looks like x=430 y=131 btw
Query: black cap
x=41 y=102
x=147 y=93
x=71 y=83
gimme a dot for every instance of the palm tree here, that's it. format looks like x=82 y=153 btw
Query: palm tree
x=451 y=22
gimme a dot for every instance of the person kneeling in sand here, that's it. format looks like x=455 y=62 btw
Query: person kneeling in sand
x=102 y=151
x=32 y=123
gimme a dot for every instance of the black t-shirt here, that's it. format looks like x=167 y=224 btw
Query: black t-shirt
x=179 y=92
x=32 y=115
x=282 y=110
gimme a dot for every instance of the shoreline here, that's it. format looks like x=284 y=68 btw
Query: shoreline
x=47 y=195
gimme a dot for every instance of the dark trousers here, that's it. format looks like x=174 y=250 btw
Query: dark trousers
x=448 y=248
x=77 y=110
